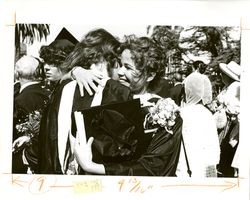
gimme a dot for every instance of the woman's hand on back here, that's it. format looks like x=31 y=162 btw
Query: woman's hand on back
x=86 y=78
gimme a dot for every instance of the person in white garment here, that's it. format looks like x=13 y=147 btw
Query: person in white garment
x=199 y=131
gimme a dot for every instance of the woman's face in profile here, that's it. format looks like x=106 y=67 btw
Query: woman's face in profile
x=52 y=72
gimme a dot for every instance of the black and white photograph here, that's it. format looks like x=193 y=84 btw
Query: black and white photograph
x=124 y=99
x=165 y=102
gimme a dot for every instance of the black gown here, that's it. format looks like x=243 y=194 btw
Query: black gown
x=48 y=161
x=160 y=159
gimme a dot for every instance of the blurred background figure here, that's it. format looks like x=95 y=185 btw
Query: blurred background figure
x=228 y=110
x=199 y=131
x=31 y=97
x=199 y=66
x=177 y=92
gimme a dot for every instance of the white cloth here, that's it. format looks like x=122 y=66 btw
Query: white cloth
x=64 y=117
x=144 y=99
x=230 y=97
x=98 y=95
x=235 y=162
x=200 y=139
x=198 y=88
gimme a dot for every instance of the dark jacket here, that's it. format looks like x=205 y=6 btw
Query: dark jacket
x=31 y=98
x=177 y=93
x=164 y=88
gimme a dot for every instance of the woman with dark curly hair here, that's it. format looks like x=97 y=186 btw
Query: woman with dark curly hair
x=149 y=62
x=53 y=56
x=141 y=70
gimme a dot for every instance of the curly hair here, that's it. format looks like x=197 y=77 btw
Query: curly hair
x=98 y=45
x=56 y=52
x=148 y=58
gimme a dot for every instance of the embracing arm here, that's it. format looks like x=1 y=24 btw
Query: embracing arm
x=85 y=78
x=83 y=155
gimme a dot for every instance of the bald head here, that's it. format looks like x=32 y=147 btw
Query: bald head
x=27 y=67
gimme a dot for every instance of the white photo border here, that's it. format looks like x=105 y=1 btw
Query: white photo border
x=126 y=13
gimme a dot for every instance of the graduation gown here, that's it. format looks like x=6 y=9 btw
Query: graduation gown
x=160 y=159
x=48 y=138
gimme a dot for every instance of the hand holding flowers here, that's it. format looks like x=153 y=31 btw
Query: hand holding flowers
x=27 y=130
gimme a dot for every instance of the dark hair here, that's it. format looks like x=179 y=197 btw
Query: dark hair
x=40 y=73
x=56 y=52
x=149 y=58
x=97 y=45
x=199 y=66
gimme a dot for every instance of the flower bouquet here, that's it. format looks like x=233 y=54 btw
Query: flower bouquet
x=162 y=115
x=27 y=130
x=227 y=112
x=227 y=108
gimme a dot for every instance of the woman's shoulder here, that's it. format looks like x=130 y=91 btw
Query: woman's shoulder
x=116 y=91
x=116 y=84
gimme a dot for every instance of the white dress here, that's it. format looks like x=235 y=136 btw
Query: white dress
x=200 y=139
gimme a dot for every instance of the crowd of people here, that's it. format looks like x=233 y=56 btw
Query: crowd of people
x=176 y=129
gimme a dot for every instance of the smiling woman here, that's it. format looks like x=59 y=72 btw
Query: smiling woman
x=149 y=59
